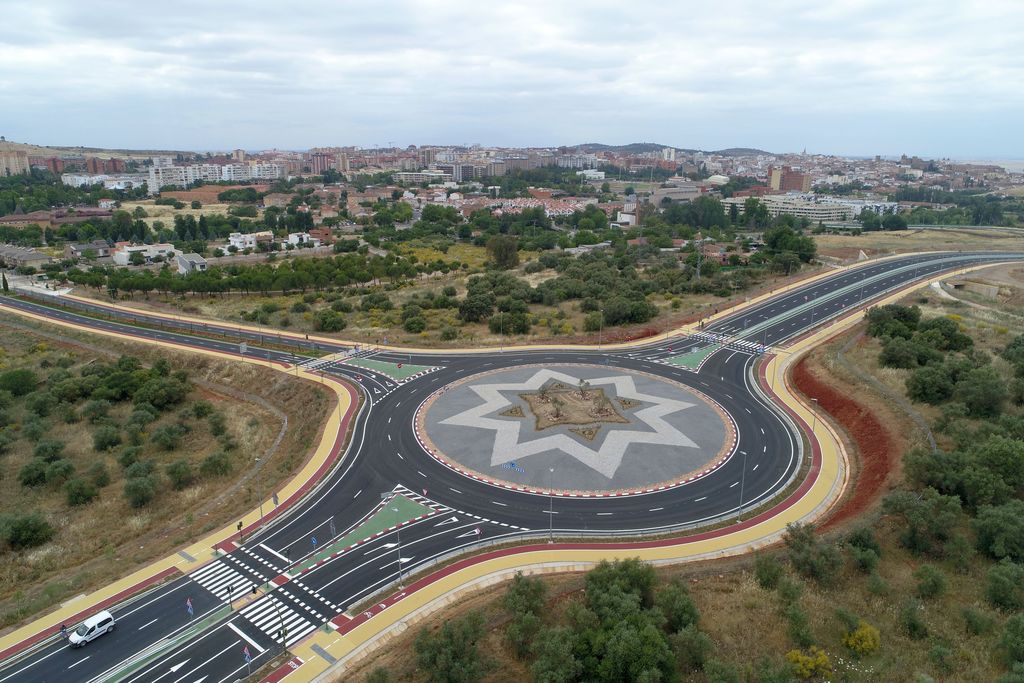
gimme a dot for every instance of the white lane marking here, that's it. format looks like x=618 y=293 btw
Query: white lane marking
x=357 y=493
x=389 y=436
x=504 y=505
x=389 y=420
x=455 y=490
x=79 y=661
x=765 y=449
x=748 y=411
x=655 y=509
x=756 y=466
x=232 y=645
x=697 y=500
x=399 y=455
x=243 y=636
x=421 y=474
x=762 y=431
x=602 y=514
x=148 y=623
x=275 y=553
x=735 y=483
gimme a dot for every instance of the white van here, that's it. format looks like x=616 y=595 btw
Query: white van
x=92 y=628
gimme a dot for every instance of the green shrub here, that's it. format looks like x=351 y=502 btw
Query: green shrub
x=910 y=620
x=976 y=622
x=168 y=437
x=139 y=491
x=18 y=382
x=931 y=582
x=21 y=531
x=79 y=491
x=449 y=333
x=414 y=325
x=299 y=307
x=942 y=658
x=180 y=473
x=798 y=625
x=96 y=410
x=41 y=403
x=128 y=456
x=218 y=425
x=33 y=473
x=216 y=465
x=1004 y=585
x=692 y=647
x=98 y=474
x=768 y=570
x=201 y=409
x=1012 y=640
x=106 y=437
x=809 y=557
x=59 y=471
x=48 y=449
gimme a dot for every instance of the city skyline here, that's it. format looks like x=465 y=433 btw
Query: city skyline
x=849 y=79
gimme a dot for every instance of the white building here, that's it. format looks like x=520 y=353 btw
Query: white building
x=417 y=177
x=122 y=253
x=124 y=181
x=162 y=176
x=591 y=174
x=243 y=240
x=190 y=263
x=302 y=238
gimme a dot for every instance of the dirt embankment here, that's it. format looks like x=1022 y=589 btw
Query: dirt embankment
x=872 y=428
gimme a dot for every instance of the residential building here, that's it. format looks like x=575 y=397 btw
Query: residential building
x=417 y=177
x=190 y=263
x=98 y=248
x=320 y=162
x=786 y=179
x=122 y=252
x=250 y=240
x=302 y=239
x=13 y=257
x=676 y=191
x=323 y=235
x=796 y=206
x=162 y=176
x=238 y=155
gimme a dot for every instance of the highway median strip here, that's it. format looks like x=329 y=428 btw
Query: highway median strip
x=399 y=510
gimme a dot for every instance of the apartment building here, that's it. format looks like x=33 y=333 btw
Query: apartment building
x=162 y=176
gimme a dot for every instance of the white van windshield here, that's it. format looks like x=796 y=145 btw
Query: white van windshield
x=81 y=630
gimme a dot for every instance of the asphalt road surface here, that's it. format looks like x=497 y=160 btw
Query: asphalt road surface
x=157 y=639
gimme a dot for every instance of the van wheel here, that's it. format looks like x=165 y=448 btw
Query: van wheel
x=111 y=628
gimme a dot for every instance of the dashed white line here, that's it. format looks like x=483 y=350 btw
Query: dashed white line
x=389 y=435
x=357 y=493
x=421 y=474
x=655 y=509
x=756 y=466
x=79 y=661
x=697 y=500
x=604 y=514
x=148 y=623
x=400 y=456
x=735 y=483
x=455 y=490
x=504 y=505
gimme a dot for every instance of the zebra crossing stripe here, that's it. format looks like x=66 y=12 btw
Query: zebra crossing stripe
x=270 y=615
x=217 y=577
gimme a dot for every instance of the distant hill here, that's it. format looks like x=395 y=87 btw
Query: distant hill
x=53 y=150
x=740 y=152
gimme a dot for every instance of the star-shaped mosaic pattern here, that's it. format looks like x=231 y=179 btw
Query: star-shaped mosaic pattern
x=508 y=446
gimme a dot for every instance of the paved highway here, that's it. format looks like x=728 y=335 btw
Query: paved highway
x=158 y=640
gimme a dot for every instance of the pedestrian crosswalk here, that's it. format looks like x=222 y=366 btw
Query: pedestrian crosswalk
x=729 y=342
x=222 y=580
x=270 y=615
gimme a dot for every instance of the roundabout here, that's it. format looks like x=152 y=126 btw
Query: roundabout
x=543 y=458
x=575 y=430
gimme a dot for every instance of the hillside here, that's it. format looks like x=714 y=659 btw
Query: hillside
x=48 y=150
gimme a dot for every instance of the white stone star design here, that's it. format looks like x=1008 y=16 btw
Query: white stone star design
x=606 y=459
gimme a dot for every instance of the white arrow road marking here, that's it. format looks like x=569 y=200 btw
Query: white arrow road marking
x=450 y=520
x=178 y=666
x=469 y=533
x=200 y=680
x=243 y=636
x=386 y=546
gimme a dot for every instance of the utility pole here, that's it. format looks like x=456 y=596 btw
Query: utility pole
x=551 y=506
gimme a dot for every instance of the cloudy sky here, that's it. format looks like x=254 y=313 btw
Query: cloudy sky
x=858 y=77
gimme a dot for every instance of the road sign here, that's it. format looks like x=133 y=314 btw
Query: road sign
x=245 y=653
x=313 y=541
x=243 y=347
x=188 y=606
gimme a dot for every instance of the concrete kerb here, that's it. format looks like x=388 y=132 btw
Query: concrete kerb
x=319 y=464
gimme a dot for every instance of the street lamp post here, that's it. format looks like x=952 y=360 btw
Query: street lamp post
x=399 y=530
x=551 y=506
x=814 y=415
x=743 y=476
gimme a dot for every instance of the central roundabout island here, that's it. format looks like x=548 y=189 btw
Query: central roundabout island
x=576 y=430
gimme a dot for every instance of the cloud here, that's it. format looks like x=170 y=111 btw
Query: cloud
x=860 y=76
